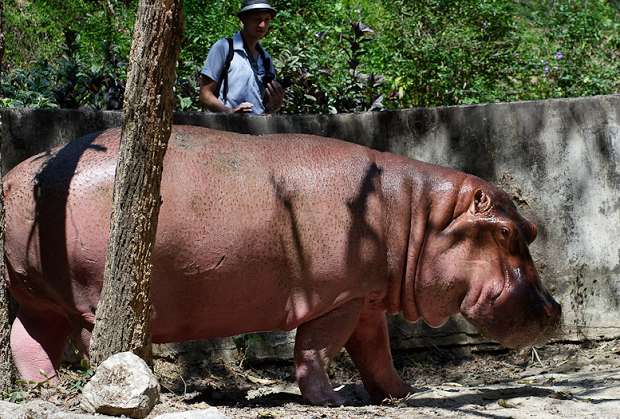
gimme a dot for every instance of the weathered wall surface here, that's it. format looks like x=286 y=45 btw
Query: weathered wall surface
x=560 y=160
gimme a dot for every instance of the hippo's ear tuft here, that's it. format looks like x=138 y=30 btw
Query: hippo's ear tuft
x=481 y=203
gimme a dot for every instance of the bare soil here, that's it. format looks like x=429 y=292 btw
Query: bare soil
x=556 y=380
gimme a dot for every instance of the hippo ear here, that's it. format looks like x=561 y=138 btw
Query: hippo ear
x=481 y=203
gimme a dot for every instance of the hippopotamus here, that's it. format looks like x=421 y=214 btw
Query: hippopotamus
x=274 y=232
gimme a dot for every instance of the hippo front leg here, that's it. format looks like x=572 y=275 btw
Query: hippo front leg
x=369 y=348
x=316 y=343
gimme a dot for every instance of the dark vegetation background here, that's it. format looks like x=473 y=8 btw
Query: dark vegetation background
x=340 y=55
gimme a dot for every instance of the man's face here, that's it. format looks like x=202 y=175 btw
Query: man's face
x=256 y=24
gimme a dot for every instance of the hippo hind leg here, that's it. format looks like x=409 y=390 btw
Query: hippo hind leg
x=37 y=343
x=316 y=343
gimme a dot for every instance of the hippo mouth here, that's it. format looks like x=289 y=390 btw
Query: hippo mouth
x=512 y=279
x=503 y=292
x=486 y=297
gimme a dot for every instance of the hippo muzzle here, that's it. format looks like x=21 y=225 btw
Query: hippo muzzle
x=523 y=314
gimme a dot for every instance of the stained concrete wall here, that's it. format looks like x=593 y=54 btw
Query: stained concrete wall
x=560 y=160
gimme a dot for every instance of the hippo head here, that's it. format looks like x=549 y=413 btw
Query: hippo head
x=478 y=264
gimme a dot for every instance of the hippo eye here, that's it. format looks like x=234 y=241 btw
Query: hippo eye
x=506 y=238
x=505 y=235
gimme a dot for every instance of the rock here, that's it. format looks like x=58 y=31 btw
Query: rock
x=198 y=351
x=122 y=385
x=39 y=409
x=210 y=413
x=7 y=409
x=36 y=409
x=269 y=346
x=73 y=415
x=181 y=366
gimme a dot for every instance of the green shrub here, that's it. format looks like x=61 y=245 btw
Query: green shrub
x=339 y=56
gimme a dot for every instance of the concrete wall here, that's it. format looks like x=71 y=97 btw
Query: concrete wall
x=560 y=160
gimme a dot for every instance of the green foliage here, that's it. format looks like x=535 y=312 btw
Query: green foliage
x=16 y=396
x=66 y=54
x=339 y=56
x=70 y=83
x=72 y=381
x=80 y=377
x=40 y=30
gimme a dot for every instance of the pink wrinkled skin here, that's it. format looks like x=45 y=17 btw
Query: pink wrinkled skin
x=274 y=233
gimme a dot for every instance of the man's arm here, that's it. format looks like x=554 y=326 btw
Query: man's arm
x=208 y=97
x=211 y=70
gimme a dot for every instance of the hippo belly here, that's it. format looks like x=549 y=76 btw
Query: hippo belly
x=248 y=278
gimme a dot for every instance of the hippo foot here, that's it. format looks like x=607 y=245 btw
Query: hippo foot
x=317 y=390
x=324 y=398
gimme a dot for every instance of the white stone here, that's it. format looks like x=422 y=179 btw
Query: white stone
x=122 y=385
x=36 y=409
x=210 y=413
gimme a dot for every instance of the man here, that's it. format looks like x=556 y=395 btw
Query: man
x=248 y=85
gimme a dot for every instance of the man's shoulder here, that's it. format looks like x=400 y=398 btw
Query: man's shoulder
x=216 y=59
x=221 y=43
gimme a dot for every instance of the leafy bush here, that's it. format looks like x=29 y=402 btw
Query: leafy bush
x=339 y=56
x=69 y=83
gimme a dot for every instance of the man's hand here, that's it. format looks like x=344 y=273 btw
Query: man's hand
x=274 y=95
x=245 y=107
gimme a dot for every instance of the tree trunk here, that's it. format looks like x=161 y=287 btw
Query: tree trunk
x=1 y=34
x=7 y=372
x=123 y=314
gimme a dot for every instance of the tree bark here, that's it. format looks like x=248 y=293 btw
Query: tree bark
x=7 y=372
x=1 y=34
x=124 y=311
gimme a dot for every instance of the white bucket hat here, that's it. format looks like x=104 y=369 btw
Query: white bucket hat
x=255 y=5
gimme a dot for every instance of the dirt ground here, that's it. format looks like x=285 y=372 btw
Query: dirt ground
x=558 y=380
